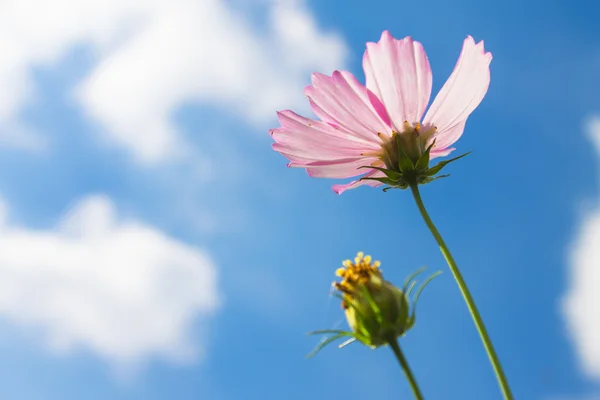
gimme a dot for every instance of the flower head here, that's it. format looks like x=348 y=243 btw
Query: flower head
x=380 y=127
x=376 y=310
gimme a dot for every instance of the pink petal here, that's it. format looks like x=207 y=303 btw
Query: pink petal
x=345 y=168
x=304 y=140
x=318 y=147
x=399 y=74
x=461 y=93
x=440 y=153
x=306 y=126
x=341 y=188
x=446 y=138
x=342 y=100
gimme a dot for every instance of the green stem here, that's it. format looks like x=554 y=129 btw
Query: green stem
x=485 y=338
x=407 y=371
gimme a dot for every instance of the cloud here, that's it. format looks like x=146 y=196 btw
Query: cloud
x=580 y=304
x=117 y=288
x=152 y=56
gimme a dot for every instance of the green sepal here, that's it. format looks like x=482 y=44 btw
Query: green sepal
x=416 y=298
x=373 y=305
x=404 y=161
x=326 y=331
x=428 y=179
x=397 y=185
x=347 y=342
x=425 y=283
x=423 y=161
x=387 y=181
x=328 y=341
x=410 y=288
x=388 y=172
x=411 y=277
x=438 y=167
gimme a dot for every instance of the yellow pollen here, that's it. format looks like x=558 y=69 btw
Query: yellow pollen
x=359 y=257
x=355 y=274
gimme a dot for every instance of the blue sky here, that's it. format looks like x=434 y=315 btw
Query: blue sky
x=153 y=246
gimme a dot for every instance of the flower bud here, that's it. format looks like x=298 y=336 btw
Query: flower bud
x=376 y=310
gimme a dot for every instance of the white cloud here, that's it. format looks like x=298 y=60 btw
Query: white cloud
x=116 y=288
x=152 y=56
x=580 y=304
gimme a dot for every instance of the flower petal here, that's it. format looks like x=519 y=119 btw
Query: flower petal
x=341 y=188
x=446 y=138
x=398 y=73
x=304 y=140
x=461 y=93
x=345 y=168
x=440 y=153
x=342 y=100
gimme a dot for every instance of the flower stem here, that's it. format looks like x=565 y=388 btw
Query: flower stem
x=485 y=338
x=407 y=371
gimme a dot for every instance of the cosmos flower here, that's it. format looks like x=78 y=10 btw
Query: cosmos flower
x=368 y=129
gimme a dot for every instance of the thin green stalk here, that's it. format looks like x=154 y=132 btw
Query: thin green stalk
x=485 y=338
x=407 y=371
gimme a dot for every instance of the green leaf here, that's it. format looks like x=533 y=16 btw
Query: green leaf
x=327 y=341
x=438 y=167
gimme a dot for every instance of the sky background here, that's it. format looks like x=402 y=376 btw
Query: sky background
x=153 y=246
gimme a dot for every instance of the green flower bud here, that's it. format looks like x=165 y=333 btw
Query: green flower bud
x=377 y=311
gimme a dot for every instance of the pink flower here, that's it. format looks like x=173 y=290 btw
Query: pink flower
x=358 y=123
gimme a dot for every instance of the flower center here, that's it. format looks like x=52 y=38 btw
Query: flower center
x=412 y=141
